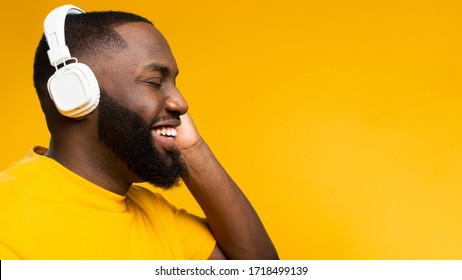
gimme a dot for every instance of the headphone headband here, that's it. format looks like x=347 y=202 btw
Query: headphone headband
x=54 y=33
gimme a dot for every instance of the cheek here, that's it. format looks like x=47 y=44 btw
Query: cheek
x=148 y=108
x=133 y=95
x=138 y=98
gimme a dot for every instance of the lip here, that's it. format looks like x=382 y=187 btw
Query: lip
x=167 y=123
x=165 y=142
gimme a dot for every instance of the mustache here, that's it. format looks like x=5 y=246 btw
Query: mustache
x=171 y=116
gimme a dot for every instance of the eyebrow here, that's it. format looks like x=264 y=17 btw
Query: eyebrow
x=156 y=67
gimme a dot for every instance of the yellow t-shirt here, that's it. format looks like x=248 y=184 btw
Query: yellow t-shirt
x=49 y=212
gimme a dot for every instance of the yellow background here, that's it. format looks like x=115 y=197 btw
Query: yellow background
x=339 y=119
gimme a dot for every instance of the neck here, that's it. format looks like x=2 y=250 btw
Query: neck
x=92 y=161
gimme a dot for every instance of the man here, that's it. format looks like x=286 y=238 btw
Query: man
x=77 y=200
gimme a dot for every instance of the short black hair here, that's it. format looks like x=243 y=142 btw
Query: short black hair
x=88 y=34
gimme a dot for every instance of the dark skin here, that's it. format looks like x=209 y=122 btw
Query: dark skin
x=142 y=78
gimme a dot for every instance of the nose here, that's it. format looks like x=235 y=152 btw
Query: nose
x=176 y=103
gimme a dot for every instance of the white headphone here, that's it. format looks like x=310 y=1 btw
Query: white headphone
x=73 y=87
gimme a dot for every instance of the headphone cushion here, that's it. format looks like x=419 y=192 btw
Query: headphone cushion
x=74 y=90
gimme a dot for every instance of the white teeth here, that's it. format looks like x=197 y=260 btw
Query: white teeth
x=164 y=131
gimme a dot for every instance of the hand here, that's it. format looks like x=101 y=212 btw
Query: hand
x=233 y=221
x=188 y=136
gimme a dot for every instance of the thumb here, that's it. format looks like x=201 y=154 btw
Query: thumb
x=188 y=136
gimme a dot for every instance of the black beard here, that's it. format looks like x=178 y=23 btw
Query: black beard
x=129 y=137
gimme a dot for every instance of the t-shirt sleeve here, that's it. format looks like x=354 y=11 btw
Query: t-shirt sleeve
x=6 y=253
x=196 y=238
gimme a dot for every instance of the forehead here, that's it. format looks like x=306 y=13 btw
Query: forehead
x=146 y=45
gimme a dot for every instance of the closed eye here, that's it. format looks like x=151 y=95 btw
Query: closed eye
x=153 y=84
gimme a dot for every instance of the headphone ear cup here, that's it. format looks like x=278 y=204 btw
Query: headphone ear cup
x=74 y=90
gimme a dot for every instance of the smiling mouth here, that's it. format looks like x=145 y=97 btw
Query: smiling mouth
x=166 y=131
x=164 y=138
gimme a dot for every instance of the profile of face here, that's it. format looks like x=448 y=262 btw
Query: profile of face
x=141 y=106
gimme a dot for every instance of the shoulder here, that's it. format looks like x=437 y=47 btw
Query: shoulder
x=23 y=169
x=18 y=176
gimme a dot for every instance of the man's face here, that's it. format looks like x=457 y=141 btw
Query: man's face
x=129 y=137
x=140 y=106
